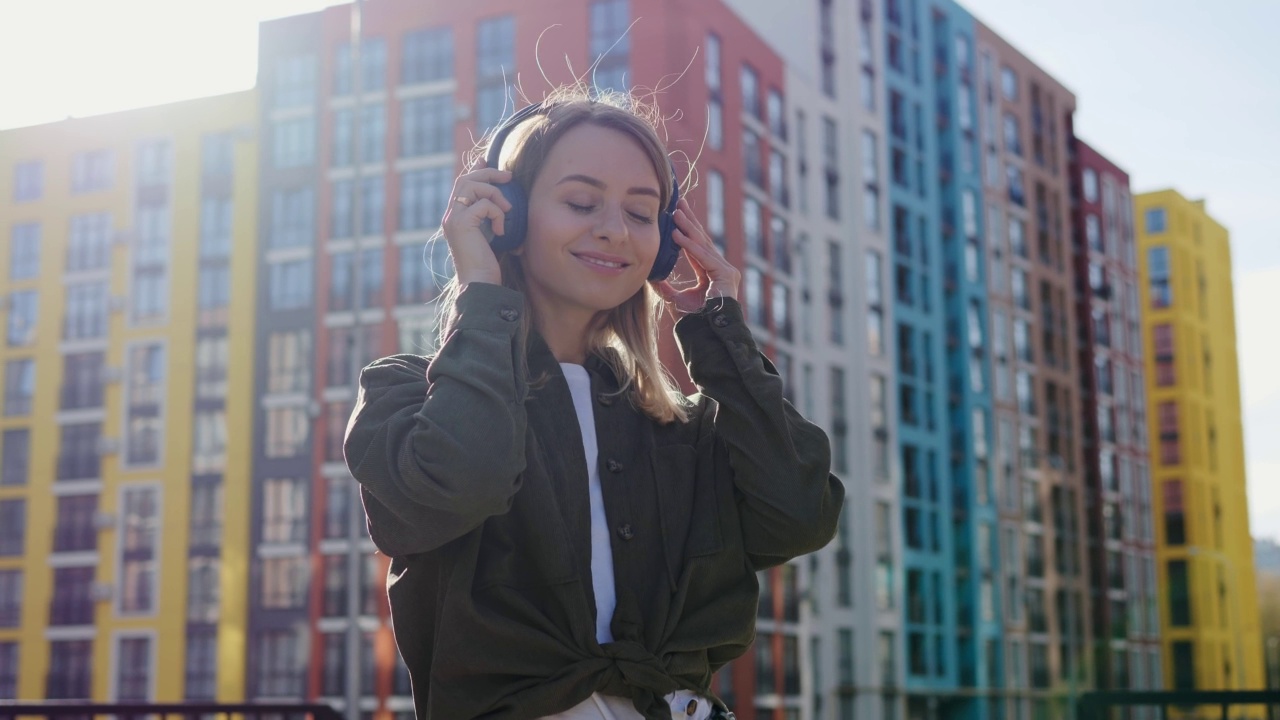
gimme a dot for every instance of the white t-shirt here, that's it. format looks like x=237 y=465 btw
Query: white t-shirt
x=598 y=706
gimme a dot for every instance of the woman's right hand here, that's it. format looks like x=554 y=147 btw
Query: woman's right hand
x=476 y=205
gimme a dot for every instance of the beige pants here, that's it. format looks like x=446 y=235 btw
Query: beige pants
x=612 y=707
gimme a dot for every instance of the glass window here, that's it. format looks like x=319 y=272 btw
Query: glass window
x=28 y=181
x=750 y=91
x=13 y=527
x=1156 y=221
x=19 y=386
x=423 y=194
x=1009 y=84
x=292 y=218
x=426 y=125
x=1158 y=272
x=10 y=606
x=610 y=43
x=290 y=284
x=289 y=361
x=715 y=208
x=133 y=669
x=427 y=56
x=15 y=456
x=1089 y=185
x=92 y=171
x=295 y=81
x=70 y=669
x=23 y=318
x=284 y=513
x=24 y=251
x=89 y=244
x=294 y=142
x=495 y=68
x=139 y=526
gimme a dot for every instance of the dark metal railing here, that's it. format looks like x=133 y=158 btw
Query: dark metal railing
x=66 y=709
x=1099 y=705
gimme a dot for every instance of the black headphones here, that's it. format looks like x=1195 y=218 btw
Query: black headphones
x=516 y=221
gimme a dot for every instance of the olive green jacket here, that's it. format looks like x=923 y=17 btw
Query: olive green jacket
x=476 y=486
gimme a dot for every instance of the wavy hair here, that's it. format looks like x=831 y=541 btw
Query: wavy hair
x=626 y=337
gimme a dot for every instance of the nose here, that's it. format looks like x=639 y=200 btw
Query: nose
x=611 y=224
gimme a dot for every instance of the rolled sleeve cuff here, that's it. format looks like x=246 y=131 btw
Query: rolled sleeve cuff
x=485 y=306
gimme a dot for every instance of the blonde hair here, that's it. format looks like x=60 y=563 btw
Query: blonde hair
x=627 y=336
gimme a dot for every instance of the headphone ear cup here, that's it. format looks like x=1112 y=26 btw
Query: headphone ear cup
x=516 y=220
x=668 y=250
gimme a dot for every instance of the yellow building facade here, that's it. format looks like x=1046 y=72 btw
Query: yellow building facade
x=1209 y=613
x=128 y=285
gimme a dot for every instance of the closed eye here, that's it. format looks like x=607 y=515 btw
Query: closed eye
x=581 y=208
x=639 y=217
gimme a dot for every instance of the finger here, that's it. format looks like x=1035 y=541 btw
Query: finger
x=696 y=254
x=486 y=209
x=665 y=290
x=689 y=224
x=472 y=191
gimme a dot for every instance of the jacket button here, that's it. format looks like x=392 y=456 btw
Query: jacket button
x=692 y=708
x=614 y=466
x=625 y=532
x=605 y=399
x=720 y=320
x=509 y=314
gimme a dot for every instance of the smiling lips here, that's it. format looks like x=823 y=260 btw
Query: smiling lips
x=606 y=264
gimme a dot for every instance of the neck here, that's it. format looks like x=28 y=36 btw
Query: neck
x=565 y=333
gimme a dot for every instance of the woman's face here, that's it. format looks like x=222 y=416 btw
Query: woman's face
x=593 y=224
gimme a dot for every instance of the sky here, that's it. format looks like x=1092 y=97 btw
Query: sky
x=1179 y=93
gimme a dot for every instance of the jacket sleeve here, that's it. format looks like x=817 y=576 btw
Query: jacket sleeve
x=439 y=448
x=789 y=503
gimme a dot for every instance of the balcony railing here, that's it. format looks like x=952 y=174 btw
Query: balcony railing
x=1094 y=705
x=167 y=711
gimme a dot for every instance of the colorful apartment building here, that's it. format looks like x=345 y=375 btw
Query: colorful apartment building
x=127 y=357
x=1204 y=554
x=1123 y=593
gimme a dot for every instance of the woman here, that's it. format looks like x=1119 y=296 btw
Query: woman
x=570 y=537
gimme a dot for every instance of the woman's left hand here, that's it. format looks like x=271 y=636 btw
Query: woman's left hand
x=715 y=275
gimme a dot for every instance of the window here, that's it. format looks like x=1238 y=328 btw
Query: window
x=1089 y=185
x=89 y=243
x=751 y=158
x=290 y=285
x=215 y=228
x=495 y=69
x=373 y=134
x=293 y=142
x=92 y=171
x=13 y=527
x=284 y=511
x=78 y=456
x=835 y=292
x=201 y=663
x=24 y=251
x=1158 y=271
x=827 y=47
x=295 y=81
x=289 y=362
x=284 y=582
x=146 y=381
x=133 y=663
x=427 y=56
x=776 y=114
x=15 y=457
x=1012 y=135
x=1175 y=527
x=139 y=525
x=1170 y=447
x=292 y=218
x=778 y=189
x=753 y=295
x=1009 y=84
x=281 y=665
x=1026 y=394
x=839 y=421
x=70 y=670
x=423 y=194
x=426 y=125
x=715 y=208
x=86 y=311
x=72 y=596
x=155 y=162
x=831 y=156
x=150 y=288
x=75 y=530
x=151 y=244
x=750 y=91
x=753 y=226
x=610 y=44
x=333 y=669
x=1184 y=665
x=28 y=185
x=23 y=311
x=209 y=445
x=875 y=305
x=19 y=386
x=1179 y=593
x=1156 y=221
x=1017 y=191
x=1164 y=355
x=878 y=402
x=10 y=604
x=82 y=380
x=286 y=432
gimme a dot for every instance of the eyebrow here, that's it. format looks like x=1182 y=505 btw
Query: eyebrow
x=598 y=184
